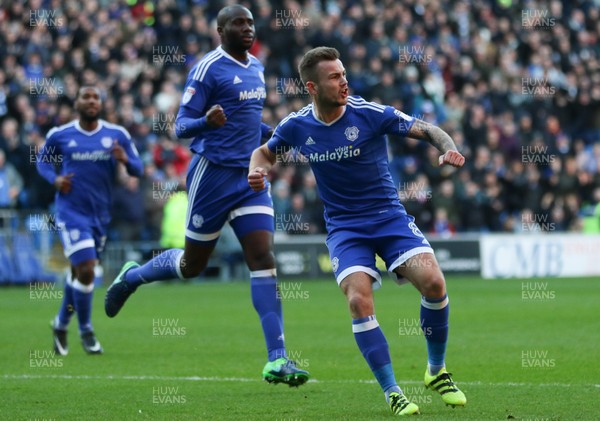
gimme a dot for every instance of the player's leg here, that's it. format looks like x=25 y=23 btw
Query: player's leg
x=83 y=294
x=202 y=233
x=353 y=263
x=61 y=322
x=417 y=263
x=358 y=288
x=81 y=246
x=253 y=224
x=168 y=265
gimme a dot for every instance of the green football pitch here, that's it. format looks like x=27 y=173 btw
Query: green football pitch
x=519 y=349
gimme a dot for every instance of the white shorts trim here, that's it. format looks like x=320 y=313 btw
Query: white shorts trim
x=75 y=247
x=202 y=237
x=247 y=210
x=410 y=253
x=353 y=269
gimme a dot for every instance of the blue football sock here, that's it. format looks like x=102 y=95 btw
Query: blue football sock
x=374 y=347
x=267 y=302
x=67 y=307
x=434 y=322
x=82 y=297
x=163 y=267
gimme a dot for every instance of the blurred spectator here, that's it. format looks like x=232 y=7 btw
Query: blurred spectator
x=128 y=209
x=11 y=183
x=521 y=101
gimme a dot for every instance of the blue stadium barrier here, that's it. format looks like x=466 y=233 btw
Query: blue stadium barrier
x=6 y=262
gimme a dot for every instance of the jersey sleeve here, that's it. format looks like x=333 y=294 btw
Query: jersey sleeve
x=134 y=166
x=396 y=122
x=191 y=118
x=46 y=157
x=281 y=139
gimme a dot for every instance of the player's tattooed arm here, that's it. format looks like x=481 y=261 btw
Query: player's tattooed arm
x=440 y=139
x=432 y=134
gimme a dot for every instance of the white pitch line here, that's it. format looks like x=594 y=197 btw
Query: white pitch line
x=248 y=380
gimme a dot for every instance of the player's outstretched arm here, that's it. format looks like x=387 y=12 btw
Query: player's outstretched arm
x=261 y=162
x=440 y=139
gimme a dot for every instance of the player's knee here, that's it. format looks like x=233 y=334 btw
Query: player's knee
x=191 y=268
x=85 y=274
x=435 y=286
x=361 y=305
x=260 y=260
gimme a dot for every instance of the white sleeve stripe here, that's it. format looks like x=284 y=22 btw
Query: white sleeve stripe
x=117 y=127
x=303 y=112
x=60 y=128
x=379 y=110
x=203 y=67
x=203 y=62
x=361 y=101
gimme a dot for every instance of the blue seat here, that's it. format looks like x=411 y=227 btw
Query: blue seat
x=28 y=267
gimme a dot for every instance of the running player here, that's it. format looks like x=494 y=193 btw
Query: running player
x=343 y=138
x=88 y=151
x=221 y=110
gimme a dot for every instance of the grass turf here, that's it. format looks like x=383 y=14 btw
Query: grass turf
x=195 y=351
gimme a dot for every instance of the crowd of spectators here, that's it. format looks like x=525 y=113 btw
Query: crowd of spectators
x=516 y=85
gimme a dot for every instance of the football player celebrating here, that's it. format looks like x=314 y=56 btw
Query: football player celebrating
x=88 y=152
x=221 y=110
x=343 y=138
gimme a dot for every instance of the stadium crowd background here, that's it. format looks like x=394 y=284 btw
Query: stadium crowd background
x=516 y=86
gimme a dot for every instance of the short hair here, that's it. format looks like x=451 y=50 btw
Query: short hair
x=83 y=87
x=308 y=64
x=225 y=13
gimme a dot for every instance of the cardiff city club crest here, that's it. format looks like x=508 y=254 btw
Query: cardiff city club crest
x=197 y=220
x=351 y=133
x=335 y=264
x=106 y=142
x=188 y=94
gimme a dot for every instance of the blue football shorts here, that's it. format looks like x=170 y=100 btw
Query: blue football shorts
x=353 y=245
x=217 y=194
x=82 y=240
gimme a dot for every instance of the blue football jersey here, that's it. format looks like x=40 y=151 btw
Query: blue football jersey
x=348 y=157
x=86 y=155
x=239 y=88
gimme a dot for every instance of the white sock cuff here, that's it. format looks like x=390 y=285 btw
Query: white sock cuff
x=435 y=306
x=82 y=288
x=369 y=324
x=178 y=265
x=263 y=273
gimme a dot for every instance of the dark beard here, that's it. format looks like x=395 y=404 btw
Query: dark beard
x=88 y=118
